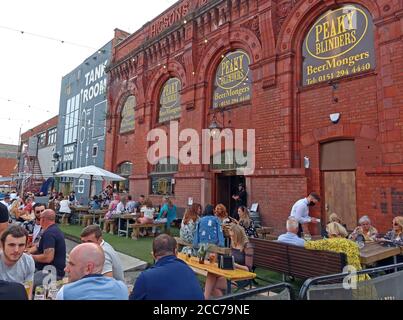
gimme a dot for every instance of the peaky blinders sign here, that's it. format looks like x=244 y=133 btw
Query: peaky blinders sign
x=170 y=101
x=233 y=80
x=340 y=43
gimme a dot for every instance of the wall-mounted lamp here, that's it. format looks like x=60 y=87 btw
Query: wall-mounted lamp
x=215 y=128
x=306 y=163
x=335 y=117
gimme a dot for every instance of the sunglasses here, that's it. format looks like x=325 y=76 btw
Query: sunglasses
x=39 y=211
x=396 y=224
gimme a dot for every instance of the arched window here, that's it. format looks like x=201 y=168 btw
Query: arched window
x=340 y=43
x=233 y=81
x=170 y=101
x=127 y=115
x=125 y=171
x=162 y=177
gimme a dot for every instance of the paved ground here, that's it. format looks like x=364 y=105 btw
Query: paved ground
x=131 y=266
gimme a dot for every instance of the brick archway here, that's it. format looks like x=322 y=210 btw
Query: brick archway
x=173 y=69
x=332 y=132
x=240 y=38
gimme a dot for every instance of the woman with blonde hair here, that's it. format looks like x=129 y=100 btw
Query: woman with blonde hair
x=337 y=242
x=246 y=222
x=242 y=251
x=396 y=234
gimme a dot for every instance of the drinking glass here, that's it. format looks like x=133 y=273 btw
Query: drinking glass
x=28 y=289
x=307 y=237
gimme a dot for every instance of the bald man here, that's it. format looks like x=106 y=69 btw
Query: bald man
x=86 y=281
x=51 y=249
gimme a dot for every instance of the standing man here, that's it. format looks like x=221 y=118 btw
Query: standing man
x=113 y=265
x=4 y=217
x=51 y=249
x=15 y=265
x=86 y=281
x=300 y=212
x=240 y=200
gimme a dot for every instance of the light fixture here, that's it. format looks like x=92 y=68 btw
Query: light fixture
x=215 y=128
x=185 y=21
x=335 y=117
x=205 y=40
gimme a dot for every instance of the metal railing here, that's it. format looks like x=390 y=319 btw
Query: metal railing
x=340 y=276
x=258 y=291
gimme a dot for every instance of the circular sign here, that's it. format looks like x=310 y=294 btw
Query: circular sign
x=337 y=32
x=233 y=70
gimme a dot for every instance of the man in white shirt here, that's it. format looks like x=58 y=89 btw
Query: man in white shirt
x=15 y=265
x=113 y=265
x=300 y=211
x=65 y=210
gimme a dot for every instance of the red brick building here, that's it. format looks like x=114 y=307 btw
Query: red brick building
x=324 y=84
x=36 y=155
x=8 y=161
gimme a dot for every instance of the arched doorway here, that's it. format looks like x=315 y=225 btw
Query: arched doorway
x=227 y=177
x=338 y=166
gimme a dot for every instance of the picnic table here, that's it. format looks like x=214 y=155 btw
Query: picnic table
x=373 y=252
x=80 y=211
x=207 y=267
x=127 y=217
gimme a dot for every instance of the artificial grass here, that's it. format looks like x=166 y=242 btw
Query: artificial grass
x=142 y=247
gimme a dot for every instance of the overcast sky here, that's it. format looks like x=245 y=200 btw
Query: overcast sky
x=31 y=68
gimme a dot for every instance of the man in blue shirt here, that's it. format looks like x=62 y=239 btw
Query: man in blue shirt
x=86 y=281
x=291 y=236
x=169 y=279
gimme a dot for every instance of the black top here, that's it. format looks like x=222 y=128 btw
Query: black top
x=52 y=237
x=3 y=213
x=12 y=291
x=242 y=198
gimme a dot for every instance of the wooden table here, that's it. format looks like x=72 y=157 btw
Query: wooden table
x=207 y=267
x=80 y=210
x=373 y=252
x=127 y=217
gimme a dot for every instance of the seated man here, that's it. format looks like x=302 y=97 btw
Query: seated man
x=86 y=281
x=169 y=279
x=291 y=237
x=113 y=265
x=51 y=249
x=12 y=291
x=15 y=265
x=4 y=217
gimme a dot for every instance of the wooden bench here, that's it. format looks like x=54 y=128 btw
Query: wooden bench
x=136 y=228
x=296 y=261
x=214 y=249
x=264 y=232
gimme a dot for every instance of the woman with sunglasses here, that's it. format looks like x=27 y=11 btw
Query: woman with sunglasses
x=396 y=234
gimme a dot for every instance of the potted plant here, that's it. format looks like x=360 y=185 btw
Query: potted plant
x=201 y=253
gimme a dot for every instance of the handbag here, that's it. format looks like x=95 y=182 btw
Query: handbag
x=226 y=262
